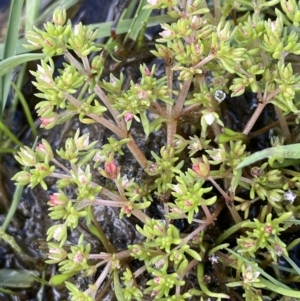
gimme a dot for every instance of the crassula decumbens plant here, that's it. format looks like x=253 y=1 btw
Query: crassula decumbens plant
x=209 y=55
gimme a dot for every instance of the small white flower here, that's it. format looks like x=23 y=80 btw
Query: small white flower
x=166 y=33
x=250 y=275
x=45 y=75
x=209 y=118
x=213 y=259
x=290 y=196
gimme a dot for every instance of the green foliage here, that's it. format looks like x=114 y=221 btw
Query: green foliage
x=195 y=175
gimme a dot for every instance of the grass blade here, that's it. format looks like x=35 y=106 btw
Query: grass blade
x=14 y=61
x=138 y=22
x=32 y=13
x=10 y=47
x=291 y=151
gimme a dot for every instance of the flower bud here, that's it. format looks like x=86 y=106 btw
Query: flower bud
x=209 y=118
x=128 y=117
x=44 y=149
x=111 y=169
x=22 y=178
x=196 y=22
x=49 y=121
x=59 y=16
x=58 y=199
x=58 y=232
x=56 y=253
x=167 y=34
x=201 y=167
x=82 y=142
x=26 y=156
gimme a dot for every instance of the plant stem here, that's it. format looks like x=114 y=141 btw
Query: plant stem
x=103 y=274
x=253 y=118
x=181 y=99
x=120 y=121
x=135 y=150
x=86 y=65
x=137 y=153
x=73 y=61
x=60 y=165
x=204 y=61
x=171 y=131
x=228 y=201
x=258 y=110
x=119 y=132
x=283 y=125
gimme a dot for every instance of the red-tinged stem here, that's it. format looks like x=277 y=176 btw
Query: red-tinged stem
x=206 y=212
x=253 y=118
x=231 y=207
x=204 y=61
x=60 y=165
x=171 y=131
x=283 y=125
x=120 y=121
x=86 y=65
x=103 y=275
x=258 y=111
x=135 y=150
x=181 y=99
x=115 y=129
x=138 y=154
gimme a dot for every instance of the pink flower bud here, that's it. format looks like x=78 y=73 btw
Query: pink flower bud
x=157 y=280
x=147 y=71
x=202 y=169
x=56 y=253
x=166 y=33
x=188 y=203
x=58 y=199
x=128 y=117
x=43 y=149
x=111 y=169
x=98 y=157
x=78 y=258
x=48 y=122
x=82 y=176
x=143 y=94
x=127 y=209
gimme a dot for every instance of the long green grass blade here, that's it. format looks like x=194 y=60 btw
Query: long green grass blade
x=32 y=12
x=15 y=201
x=8 y=64
x=9 y=134
x=291 y=151
x=266 y=275
x=10 y=47
x=141 y=16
